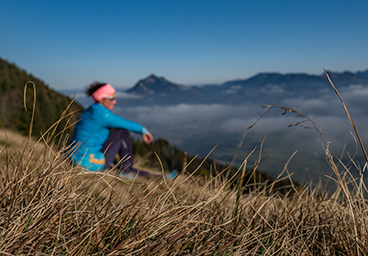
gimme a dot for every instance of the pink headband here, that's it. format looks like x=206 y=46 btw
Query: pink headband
x=102 y=92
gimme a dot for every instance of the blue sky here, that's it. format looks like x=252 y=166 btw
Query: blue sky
x=69 y=44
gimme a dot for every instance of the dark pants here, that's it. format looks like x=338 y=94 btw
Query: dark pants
x=119 y=142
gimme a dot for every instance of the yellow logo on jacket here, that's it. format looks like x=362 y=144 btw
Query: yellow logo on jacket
x=94 y=160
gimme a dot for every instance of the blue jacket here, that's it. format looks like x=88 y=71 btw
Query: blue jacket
x=92 y=130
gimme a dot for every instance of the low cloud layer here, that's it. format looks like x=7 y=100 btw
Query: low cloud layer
x=184 y=114
x=200 y=119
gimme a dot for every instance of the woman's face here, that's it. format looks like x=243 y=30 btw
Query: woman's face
x=109 y=101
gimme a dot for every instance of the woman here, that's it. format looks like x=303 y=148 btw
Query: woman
x=96 y=147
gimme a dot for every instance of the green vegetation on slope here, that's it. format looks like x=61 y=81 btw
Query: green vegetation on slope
x=49 y=103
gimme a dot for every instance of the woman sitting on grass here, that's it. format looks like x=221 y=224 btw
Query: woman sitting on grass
x=96 y=146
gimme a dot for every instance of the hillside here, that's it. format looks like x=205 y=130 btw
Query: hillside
x=49 y=103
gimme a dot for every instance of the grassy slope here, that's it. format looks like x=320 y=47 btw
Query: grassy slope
x=49 y=208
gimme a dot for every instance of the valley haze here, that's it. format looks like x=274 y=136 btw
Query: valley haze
x=196 y=118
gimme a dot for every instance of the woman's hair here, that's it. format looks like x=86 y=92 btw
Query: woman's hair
x=94 y=87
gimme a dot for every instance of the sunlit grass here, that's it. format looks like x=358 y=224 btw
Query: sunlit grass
x=53 y=208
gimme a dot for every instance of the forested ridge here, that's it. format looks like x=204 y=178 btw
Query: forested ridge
x=49 y=103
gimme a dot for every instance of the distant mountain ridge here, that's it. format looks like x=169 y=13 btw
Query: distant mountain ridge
x=263 y=79
x=154 y=84
x=159 y=91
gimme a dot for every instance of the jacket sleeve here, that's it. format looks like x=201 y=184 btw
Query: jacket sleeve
x=114 y=121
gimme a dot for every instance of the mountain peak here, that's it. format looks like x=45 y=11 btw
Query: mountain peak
x=154 y=84
x=152 y=78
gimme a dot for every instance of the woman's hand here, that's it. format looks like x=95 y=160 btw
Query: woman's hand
x=147 y=138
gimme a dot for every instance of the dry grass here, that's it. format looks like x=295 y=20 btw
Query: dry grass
x=51 y=208
x=16 y=143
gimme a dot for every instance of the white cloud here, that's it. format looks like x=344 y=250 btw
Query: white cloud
x=186 y=113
